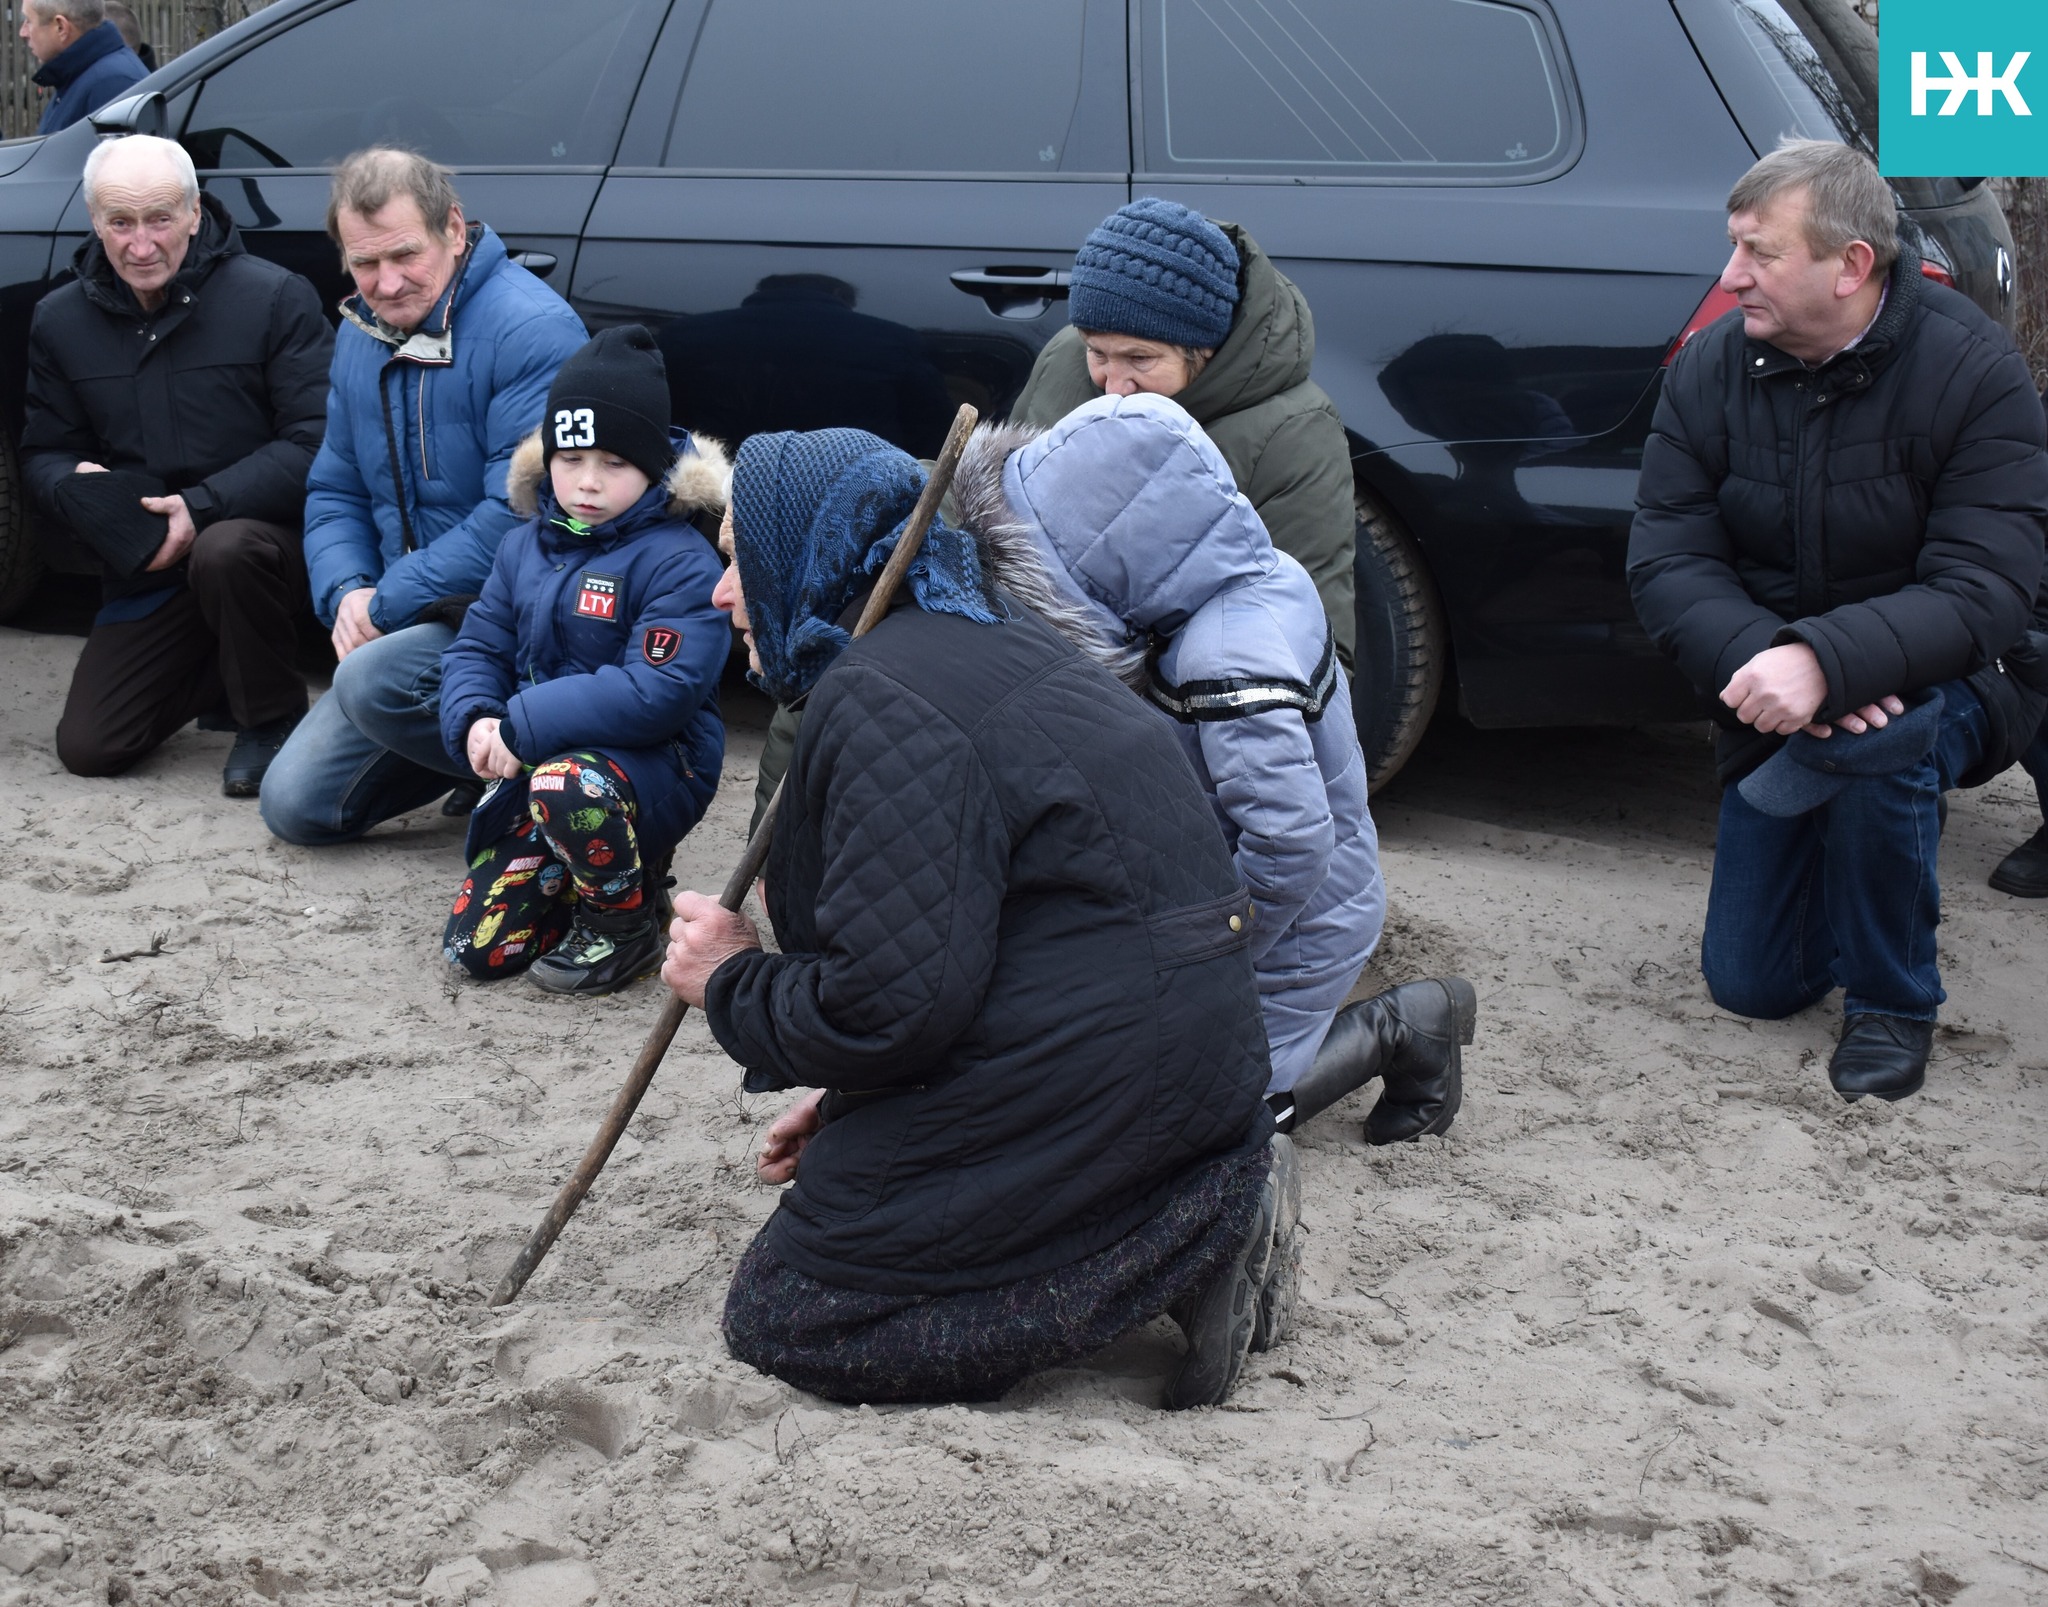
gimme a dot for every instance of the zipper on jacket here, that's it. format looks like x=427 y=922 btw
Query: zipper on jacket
x=426 y=470
x=397 y=466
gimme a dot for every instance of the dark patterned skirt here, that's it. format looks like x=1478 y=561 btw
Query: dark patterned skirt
x=851 y=1345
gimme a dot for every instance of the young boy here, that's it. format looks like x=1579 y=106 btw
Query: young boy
x=584 y=683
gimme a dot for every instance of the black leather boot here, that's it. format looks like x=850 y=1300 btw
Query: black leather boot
x=2023 y=873
x=1408 y=1037
x=1881 y=1055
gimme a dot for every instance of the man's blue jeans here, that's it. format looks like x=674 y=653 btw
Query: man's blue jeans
x=370 y=749
x=1846 y=896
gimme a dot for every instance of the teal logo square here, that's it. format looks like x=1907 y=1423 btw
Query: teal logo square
x=1963 y=88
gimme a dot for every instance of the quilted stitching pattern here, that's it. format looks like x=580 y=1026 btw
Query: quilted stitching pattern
x=980 y=825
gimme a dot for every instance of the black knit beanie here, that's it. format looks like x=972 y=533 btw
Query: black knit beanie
x=612 y=396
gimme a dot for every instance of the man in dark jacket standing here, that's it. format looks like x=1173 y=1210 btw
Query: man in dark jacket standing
x=441 y=368
x=1014 y=962
x=1841 y=515
x=85 y=61
x=176 y=396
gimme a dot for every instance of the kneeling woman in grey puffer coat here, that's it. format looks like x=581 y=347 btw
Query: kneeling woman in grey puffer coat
x=1149 y=559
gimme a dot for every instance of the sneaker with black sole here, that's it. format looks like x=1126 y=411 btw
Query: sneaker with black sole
x=1277 y=1295
x=1223 y=1315
x=604 y=952
x=249 y=759
x=2023 y=873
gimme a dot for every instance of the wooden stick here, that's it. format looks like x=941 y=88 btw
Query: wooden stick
x=613 y=1128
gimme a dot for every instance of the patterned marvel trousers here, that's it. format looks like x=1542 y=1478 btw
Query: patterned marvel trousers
x=577 y=846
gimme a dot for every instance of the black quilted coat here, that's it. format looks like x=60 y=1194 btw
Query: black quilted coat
x=1886 y=509
x=1006 y=914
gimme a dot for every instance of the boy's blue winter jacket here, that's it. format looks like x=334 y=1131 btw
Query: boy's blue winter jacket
x=604 y=641
x=454 y=398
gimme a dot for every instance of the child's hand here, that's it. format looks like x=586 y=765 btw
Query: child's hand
x=488 y=755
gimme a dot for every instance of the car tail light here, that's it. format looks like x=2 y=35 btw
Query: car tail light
x=1713 y=305
x=1936 y=272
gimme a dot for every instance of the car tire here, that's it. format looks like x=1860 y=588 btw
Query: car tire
x=21 y=560
x=1402 y=643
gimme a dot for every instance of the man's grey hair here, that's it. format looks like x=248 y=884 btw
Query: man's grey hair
x=1847 y=198
x=371 y=180
x=169 y=152
x=84 y=15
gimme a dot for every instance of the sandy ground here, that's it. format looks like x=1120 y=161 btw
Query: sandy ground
x=1662 y=1321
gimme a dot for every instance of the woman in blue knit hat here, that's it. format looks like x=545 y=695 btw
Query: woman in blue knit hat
x=1169 y=302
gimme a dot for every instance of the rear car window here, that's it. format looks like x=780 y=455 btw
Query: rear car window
x=1772 y=79
x=809 y=86
x=539 y=83
x=1431 y=89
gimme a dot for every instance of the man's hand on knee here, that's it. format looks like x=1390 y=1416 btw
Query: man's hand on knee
x=703 y=936
x=182 y=532
x=352 y=627
x=1779 y=691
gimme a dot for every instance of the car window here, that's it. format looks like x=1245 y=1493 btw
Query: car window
x=1416 y=88
x=806 y=86
x=544 y=84
x=1772 y=79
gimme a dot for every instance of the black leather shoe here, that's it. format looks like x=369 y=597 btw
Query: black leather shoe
x=1274 y=1321
x=1223 y=1315
x=1881 y=1055
x=462 y=798
x=249 y=759
x=2024 y=872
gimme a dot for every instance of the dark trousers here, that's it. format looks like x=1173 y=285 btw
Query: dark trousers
x=1846 y=896
x=226 y=637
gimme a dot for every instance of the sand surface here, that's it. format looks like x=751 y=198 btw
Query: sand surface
x=1663 y=1321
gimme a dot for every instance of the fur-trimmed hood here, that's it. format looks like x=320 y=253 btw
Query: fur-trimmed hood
x=700 y=482
x=1010 y=554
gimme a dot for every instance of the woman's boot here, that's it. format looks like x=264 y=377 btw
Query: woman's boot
x=1409 y=1038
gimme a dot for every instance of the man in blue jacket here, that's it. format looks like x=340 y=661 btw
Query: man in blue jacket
x=85 y=61
x=442 y=364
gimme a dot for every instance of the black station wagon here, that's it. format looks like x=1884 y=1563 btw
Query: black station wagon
x=1506 y=215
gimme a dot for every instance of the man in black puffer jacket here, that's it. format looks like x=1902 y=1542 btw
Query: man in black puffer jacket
x=195 y=375
x=1841 y=511
x=1014 y=960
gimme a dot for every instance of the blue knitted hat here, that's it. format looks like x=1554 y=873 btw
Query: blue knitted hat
x=811 y=515
x=1157 y=271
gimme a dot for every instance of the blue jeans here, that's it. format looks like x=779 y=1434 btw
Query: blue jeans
x=1846 y=896
x=370 y=749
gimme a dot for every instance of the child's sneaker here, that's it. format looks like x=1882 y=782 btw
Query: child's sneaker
x=605 y=950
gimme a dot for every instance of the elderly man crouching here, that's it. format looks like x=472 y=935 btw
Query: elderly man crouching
x=176 y=396
x=1014 y=964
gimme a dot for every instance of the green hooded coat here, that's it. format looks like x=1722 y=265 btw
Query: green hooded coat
x=1274 y=426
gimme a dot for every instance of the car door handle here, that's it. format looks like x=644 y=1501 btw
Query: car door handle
x=538 y=263
x=1014 y=292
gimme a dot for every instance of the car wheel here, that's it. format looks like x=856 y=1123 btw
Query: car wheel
x=1402 y=643
x=21 y=561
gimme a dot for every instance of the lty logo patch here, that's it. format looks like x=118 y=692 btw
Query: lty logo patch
x=1958 y=81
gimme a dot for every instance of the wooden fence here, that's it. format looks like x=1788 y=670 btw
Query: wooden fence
x=171 y=26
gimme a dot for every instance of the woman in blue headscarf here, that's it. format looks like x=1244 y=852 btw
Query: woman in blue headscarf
x=1013 y=968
